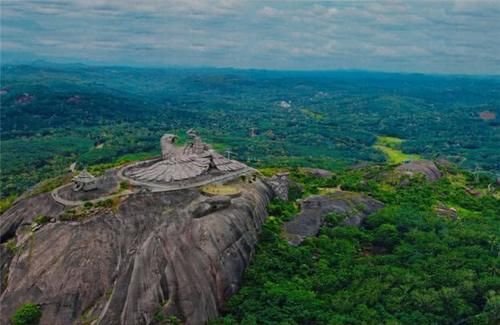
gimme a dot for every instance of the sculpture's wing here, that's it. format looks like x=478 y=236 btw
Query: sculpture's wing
x=172 y=170
x=226 y=165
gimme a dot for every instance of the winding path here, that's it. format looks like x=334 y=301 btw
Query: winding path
x=151 y=187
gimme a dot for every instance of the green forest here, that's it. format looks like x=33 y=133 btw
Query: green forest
x=53 y=115
x=406 y=264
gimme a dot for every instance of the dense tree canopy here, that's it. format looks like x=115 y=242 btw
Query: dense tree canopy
x=405 y=265
x=53 y=115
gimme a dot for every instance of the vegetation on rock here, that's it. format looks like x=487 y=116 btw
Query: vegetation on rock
x=27 y=314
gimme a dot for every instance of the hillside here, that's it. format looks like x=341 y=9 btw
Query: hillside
x=53 y=115
x=429 y=256
x=135 y=259
x=369 y=244
x=400 y=225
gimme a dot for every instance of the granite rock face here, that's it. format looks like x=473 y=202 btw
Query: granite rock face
x=446 y=212
x=129 y=262
x=318 y=172
x=354 y=206
x=280 y=183
x=423 y=167
x=210 y=205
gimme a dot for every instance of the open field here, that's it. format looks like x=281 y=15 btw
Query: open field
x=391 y=147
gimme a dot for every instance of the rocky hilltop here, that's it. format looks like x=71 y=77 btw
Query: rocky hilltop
x=131 y=260
x=354 y=207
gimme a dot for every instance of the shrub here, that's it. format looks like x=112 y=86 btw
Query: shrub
x=282 y=209
x=386 y=236
x=11 y=245
x=108 y=203
x=69 y=215
x=27 y=314
x=124 y=185
x=41 y=219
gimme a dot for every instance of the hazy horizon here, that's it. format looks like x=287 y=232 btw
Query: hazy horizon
x=69 y=63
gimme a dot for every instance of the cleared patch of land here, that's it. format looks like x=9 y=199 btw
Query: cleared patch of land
x=487 y=115
x=391 y=147
x=216 y=189
x=311 y=114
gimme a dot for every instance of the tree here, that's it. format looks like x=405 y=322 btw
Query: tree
x=386 y=235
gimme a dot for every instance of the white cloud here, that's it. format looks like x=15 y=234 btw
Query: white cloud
x=268 y=11
x=426 y=35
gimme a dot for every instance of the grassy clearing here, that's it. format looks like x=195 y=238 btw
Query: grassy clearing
x=387 y=141
x=216 y=189
x=395 y=156
x=458 y=180
x=391 y=147
x=311 y=114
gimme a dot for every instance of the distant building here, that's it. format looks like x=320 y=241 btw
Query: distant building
x=284 y=104
x=84 y=181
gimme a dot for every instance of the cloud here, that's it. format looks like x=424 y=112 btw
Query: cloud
x=268 y=11
x=427 y=36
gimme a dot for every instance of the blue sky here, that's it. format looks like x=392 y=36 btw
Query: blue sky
x=437 y=36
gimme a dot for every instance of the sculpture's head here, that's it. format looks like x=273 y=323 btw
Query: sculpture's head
x=192 y=133
x=167 y=143
x=169 y=138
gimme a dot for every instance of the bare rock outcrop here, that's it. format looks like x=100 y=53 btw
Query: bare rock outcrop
x=422 y=167
x=446 y=212
x=146 y=255
x=318 y=172
x=354 y=206
x=210 y=205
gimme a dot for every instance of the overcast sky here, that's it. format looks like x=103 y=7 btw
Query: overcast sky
x=424 y=36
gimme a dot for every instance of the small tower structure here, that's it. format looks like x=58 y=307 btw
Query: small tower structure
x=84 y=181
x=280 y=184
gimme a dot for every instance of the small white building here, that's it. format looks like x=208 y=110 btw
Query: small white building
x=84 y=181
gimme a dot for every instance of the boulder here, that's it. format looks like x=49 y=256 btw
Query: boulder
x=422 y=167
x=318 y=172
x=354 y=206
x=445 y=212
x=444 y=163
x=211 y=205
x=472 y=191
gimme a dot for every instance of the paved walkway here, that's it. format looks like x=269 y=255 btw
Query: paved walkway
x=153 y=187
x=55 y=195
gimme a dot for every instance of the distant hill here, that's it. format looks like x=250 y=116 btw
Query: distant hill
x=331 y=119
